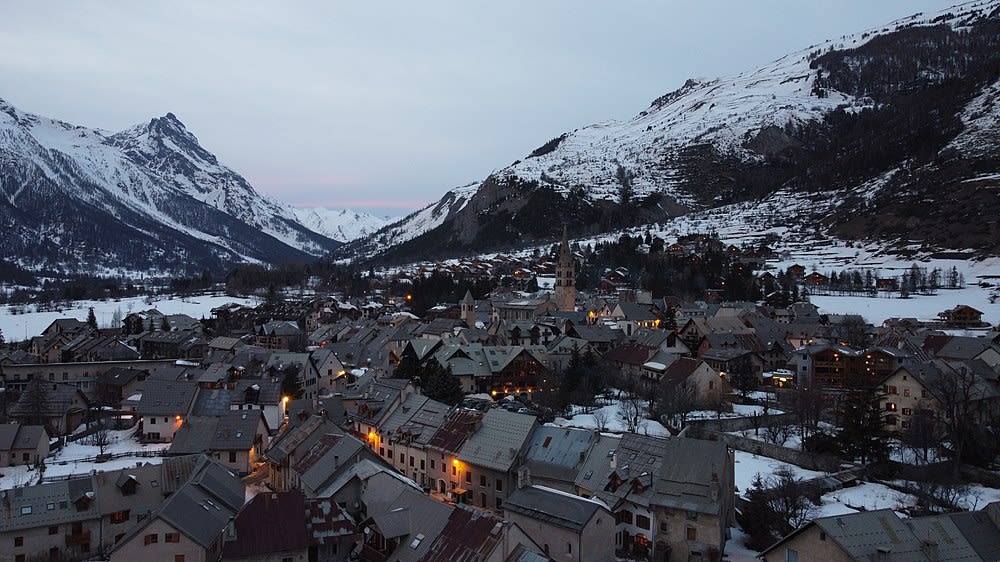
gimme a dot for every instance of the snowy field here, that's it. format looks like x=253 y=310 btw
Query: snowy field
x=613 y=422
x=23 y=326
x=76 y=459
x=877 y=310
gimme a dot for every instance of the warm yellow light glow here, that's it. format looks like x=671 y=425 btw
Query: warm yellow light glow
x=455 y=462
x=371 y=436
x=285 y=399
x=494 y=393
x=178 y=418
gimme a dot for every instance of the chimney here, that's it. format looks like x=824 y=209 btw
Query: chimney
x=614 y=460
x=523 y=477
x=883 y=554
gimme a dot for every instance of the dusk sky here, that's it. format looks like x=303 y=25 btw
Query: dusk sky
x=382 y=106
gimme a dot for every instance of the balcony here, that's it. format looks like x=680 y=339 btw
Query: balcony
x=78 y=538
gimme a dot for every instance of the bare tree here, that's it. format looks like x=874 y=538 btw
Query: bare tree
x=601 y=419
x=778 y=433
x=790 y=497
x=922 y=436
x=808 y=405
x=101 y=438
x=631 y=411
x=677 y=401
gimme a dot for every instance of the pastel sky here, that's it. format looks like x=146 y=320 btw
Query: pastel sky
x=381 y=105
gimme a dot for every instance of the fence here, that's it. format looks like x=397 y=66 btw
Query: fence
x=96 y=460
x=810 y=461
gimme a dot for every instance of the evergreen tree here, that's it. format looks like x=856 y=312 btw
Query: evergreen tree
x=408 y=368
x=862 y=427
x=290 y=384
x=92 y=318
x=440 y=384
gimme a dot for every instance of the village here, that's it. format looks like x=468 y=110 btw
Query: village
x=528 y=420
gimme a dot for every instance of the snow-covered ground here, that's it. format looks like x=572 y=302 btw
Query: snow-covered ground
x=23 y=326
x=748 y=465
x=76 y=459
x=865 y=496
x=922 y=307
x=613 y=421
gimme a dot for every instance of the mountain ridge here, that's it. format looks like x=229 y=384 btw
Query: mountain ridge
x=149 y=200
x=713 y=142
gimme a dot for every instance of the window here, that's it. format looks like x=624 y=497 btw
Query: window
x=663 y=526
x=569 y=548
x=711 y=385
x=432 y=464
x=923 y=393
x=499 y=485
x=482 y=480
x=232 y=456
x=119 y=516
x=454 y=470
x=422 y=464
x=907 y=411
x=150 y=539
x=642 y=522
x=381 y=452
x=19 y=558
x=906 y=392
x=499 y=502
x=154 y=483
x=692 y=516
x=18 y=541
x=692 y=534
x=791 y=555
x=468 y=476
x=402 y=456
x=890 y=406
x=822 y=536
x=412 y=460
x=180 y=558
x=890 y=389
x=25 y=510
x=624 y=516
x=415 y=542
x=171 y=537
x=54 y=530
x=50 y=506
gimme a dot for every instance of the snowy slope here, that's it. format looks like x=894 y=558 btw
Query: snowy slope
x=727 y=113
x=72 y=195
x=339 y=224
x=673 y=147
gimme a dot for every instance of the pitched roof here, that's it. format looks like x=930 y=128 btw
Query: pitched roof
x=236 y=430
x=552 y=506
x=497 y=442
x=271 y=522
x=165 y=397
x=469 y=536
x=557 y=452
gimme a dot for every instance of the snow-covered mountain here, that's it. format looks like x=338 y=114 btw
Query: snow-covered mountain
x=339 y=224
x=871 y=121
x=147 y=199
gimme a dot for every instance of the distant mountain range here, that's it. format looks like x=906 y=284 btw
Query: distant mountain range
x=147 y=200
x=339 y=224
x=892 y=133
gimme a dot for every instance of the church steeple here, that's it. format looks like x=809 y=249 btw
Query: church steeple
x=468 y=306
x=565 y=276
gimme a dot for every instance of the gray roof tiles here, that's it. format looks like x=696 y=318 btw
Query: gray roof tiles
x=554 y=507
x=499 y=440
